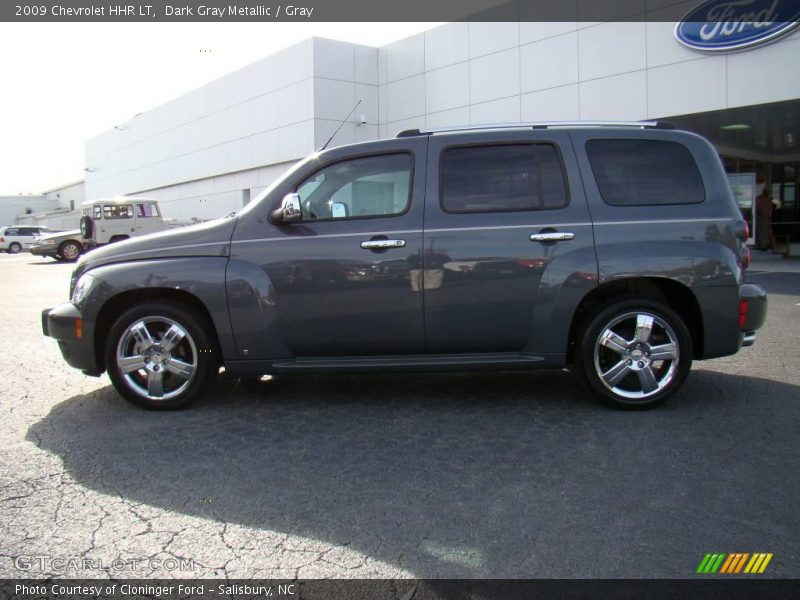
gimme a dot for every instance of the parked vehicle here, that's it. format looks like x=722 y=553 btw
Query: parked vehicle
x=17 y=238
x=64 y=246
x=110 y=220
x=615 y=249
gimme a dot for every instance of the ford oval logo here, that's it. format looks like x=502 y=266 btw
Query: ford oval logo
x=725 y=25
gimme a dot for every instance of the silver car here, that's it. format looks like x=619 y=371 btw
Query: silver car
x=15 y=238
x=63 y=245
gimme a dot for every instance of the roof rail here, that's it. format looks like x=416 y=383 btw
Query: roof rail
x=537 y=125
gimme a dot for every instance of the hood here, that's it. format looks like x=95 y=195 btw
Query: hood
x=204 y=239
x=72 y=233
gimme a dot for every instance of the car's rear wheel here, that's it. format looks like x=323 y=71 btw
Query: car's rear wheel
x=14 y=248
x=70 y=250
x=159 y=356
x=635 y=353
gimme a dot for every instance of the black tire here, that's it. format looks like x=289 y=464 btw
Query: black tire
x=117 y=238
x=629 y=365
x=14 y=248
x=70 y=250
x=195 y=348
x=87 y=227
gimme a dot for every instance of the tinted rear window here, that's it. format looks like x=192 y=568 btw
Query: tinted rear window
x=502 y=178
x=645 y=172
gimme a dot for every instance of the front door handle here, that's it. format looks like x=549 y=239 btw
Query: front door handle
x=382 y=244
x=552 y=236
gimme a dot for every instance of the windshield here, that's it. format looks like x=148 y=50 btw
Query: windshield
x=260 y=198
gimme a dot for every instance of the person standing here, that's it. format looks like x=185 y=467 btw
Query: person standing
x=764 y=219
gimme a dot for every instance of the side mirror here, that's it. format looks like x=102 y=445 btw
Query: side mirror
x=289 y=210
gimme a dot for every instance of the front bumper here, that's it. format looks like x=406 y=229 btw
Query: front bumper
x=50 y=251
x=74 y=335
x=752 y=311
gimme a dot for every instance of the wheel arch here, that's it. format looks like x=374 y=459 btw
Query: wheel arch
x=122 y=301
x=674 y=294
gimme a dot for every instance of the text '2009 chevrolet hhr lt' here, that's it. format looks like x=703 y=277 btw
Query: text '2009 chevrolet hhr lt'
x=614 y=248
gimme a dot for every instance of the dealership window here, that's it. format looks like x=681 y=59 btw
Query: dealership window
x=501 y=178
x=362 y=187
x=117 y=211
x=645 y=172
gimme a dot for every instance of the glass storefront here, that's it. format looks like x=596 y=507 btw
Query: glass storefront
x=759 y=146
x=767 y=192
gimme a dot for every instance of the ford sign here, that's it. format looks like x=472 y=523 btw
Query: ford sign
x=725 y=25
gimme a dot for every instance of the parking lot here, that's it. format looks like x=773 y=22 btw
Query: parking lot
x=460 y=475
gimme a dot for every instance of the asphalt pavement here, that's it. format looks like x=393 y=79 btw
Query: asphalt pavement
x=462 y=475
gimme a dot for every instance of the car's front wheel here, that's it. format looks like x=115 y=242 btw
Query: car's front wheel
x=159 y=355
x=70 y=250
x=635 y=353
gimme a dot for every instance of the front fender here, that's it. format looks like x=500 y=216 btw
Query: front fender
x=203 y=278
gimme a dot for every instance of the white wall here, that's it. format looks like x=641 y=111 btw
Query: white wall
x=201 y=152
x=69 y=195
x=503 y=72
x=12 y=207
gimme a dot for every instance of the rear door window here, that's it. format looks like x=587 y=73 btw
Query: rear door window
x=502 y=178
x=638 y=172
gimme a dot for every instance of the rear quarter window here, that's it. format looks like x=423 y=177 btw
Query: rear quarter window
x=645 y=172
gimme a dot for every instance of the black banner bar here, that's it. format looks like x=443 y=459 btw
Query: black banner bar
x=728 y=588
x=342 y=10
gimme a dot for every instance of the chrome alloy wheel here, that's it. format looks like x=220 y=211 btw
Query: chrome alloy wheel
x=157 y=358
x=636 y=355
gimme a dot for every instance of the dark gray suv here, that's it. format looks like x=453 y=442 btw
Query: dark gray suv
x=616 y=248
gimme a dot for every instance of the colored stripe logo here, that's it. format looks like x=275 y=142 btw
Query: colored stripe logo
x=736 y=562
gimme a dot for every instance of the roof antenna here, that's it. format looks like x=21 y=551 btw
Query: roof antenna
x=340 y=125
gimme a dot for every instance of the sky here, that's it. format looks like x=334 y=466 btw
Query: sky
x=63 y=83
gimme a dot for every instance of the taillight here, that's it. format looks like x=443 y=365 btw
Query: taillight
x=746 y=257
x=742 y=230
x=742 y=313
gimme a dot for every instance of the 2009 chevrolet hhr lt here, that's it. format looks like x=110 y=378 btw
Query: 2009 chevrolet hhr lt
x=616 y=248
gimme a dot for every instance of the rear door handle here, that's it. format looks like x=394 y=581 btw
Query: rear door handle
x=382 y=244
x=552 y=236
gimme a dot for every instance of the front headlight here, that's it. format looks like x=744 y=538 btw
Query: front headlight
x=46 y=242
x=82 y=287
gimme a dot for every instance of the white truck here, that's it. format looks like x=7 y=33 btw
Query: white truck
x=109 y=220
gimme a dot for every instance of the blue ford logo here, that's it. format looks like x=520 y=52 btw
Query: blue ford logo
x=720 y=25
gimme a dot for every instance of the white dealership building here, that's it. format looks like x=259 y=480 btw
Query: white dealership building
x=210 y=151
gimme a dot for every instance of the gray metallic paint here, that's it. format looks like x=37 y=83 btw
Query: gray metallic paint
x=281 y=296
